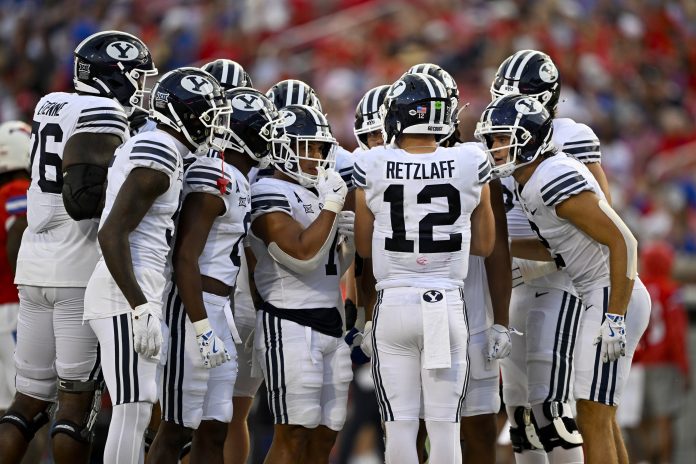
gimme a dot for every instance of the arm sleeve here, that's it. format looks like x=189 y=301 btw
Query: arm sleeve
x=267 y=199
x=583 y=145
x=104 y=117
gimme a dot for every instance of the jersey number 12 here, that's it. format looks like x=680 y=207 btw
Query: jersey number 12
x=394 y=195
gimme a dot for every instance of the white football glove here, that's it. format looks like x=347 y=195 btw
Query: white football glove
x=612 y=336
x=332 y=190
x=212 y=349
x=346 y=225
x=366 y=343
x=147 y=332
x=499 y=343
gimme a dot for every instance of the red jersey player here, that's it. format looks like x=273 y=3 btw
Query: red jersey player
x=14 y=182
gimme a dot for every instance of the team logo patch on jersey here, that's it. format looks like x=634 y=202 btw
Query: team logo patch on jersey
x=243 y=201
x=432 y=296
x=197 y=85
x=122 y=51
x=308 y=209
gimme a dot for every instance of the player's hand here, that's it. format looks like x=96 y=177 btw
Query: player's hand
x=212 y=349
x=366 y=343
x=332 y=190
x=147 y=332
x=612 y=336
x=499 y=343
x=346 y=225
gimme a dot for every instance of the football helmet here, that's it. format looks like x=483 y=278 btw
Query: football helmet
x=416 y=104
x=253 y=125
x=529 y=72
x=526 y=121
x=444 y=77
x=14 y=146
x=293 y=92
x=367 y=118
x=303 y=124
x=114 y=64
x=190 y=101
x=229 y=74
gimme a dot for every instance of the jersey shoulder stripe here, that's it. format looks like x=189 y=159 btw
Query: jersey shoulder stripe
x=564 y=186
x=359 y=176
x=267 y=198
x=146 y=150
x=484 y=172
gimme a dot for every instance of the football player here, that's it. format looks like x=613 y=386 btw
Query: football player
x=575 y=227
x=420 y=211
x=123 y=299
x=299 y=329
x=540 y=290
x=487 y=296
x=231 y=75
x=199 y=378
x=74 y=136
x=14 y=182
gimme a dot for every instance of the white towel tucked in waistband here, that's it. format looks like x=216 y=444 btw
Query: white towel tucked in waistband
x=436 y=342
x=230 y=323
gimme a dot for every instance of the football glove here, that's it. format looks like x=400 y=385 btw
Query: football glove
x=346 y=225
x=499 y=343
x=612 y=336
x=332 y=190
x=147 y=332
x=212 y=349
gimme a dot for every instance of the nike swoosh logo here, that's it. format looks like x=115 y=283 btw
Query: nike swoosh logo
x=538 y=294
x=533 y=211
x=215 y=350
x=336 y=189
x=612 y=332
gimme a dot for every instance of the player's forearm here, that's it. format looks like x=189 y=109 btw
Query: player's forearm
x=498 y=263
x=620 y=285
x=368 y=295
x=529 y=248
x=311 y=239
x=190 y=287
x=117 y=256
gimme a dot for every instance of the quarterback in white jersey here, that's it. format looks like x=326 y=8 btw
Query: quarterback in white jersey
x=199 y=377
x=420 y=211
x=576 y=228
x=74 y=136
x=123 y=300
x=299 y=328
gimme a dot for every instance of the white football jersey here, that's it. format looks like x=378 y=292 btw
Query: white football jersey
x=151 y=240
x=556 y=179
x=576 y=140
x=220 y=258
x=344 y=166
x=275 y=283
x=57 y=251
x=422 y=206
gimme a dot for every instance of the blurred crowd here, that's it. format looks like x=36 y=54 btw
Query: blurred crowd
x=627 y=67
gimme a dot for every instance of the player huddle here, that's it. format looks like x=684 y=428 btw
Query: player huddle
x=187 y=249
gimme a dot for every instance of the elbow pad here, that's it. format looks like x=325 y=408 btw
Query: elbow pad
x=83 y=190
x=629 y=239
x=303 y=266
